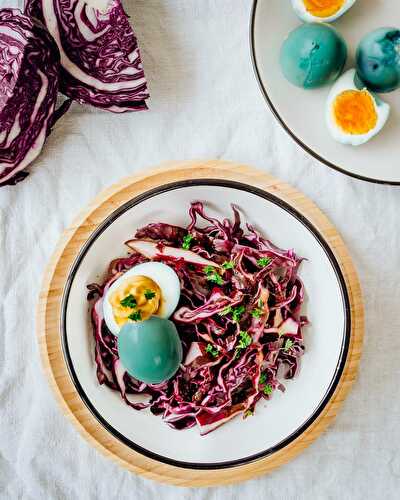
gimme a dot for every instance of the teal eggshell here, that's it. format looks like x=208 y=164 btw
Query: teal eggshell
x=378 y=59
x=151 y=350
x=313 y=55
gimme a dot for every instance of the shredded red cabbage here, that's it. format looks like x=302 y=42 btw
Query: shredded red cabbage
x=241 y=330
x=100 y=59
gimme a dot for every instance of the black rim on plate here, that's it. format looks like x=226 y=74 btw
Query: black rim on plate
x=281 y=120
x=268 y=197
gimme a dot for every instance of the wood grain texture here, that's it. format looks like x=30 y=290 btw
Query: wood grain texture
x=49 y=312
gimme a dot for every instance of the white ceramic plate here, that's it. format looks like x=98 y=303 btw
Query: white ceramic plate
x=275 y=423
x=302 y=112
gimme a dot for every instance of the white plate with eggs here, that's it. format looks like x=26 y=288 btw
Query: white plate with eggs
x=347 y=123
x=327 y=338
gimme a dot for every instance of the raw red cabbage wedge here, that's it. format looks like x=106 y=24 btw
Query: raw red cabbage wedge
x=241 y=335
x=100 y=59
x=29 y=68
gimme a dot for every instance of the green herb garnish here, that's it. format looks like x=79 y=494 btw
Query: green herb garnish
x=212 y=350
x=149 y=294
x=263 y=378
x=135 y=316
x=187 y=241
x=225 y=311
x=228 y=264
x=288 y=344
x=260 y=303
x=264 y=261
x=237 y=313
x=248 y=413
x=215 y=278
x=128 y=301
x=245 y=341
x=208 y=270
x=267 y=390
x=256 y=313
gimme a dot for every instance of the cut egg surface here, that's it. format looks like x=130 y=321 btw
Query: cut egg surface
x=146 y=290
x=321 y=10
x=354 y=114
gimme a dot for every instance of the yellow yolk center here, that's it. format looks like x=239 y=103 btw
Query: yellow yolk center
x=323 y=8
x=137 y=299
x=354 y=112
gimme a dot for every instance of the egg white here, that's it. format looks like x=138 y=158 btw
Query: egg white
x=302 y=12
x=165 y=277
x=349 y=81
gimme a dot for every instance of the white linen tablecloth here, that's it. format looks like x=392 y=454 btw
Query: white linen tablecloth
x=205 y=104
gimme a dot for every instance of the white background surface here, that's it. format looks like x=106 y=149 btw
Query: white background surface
x=205 y=104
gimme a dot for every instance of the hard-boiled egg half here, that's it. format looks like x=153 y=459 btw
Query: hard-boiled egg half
x=354 y=114
x=322 y=11
x=136 y=308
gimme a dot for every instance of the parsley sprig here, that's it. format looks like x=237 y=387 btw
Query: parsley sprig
x=267 y=390
x=244 y=342
x=129 y=301
x=225 y=311
x=264 y=261
x=135 y=316
x=149 y=294
x=237 y=313
x=187 y=241
x=212 y=350
x=212 y=275
x=288 y=345
x=228 y=264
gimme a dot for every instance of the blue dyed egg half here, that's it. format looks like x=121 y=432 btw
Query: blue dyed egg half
x=313 y=55
x=378 y=60
x=151 y=350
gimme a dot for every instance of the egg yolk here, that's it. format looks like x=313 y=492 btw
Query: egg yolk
x=323 y=8
x=138 y=298
x=354 y=112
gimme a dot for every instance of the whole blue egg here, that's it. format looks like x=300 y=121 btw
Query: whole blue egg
x=378 y=60
x=313 y=55
x=151 y=350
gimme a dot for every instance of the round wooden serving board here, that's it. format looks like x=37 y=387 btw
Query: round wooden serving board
x=49 y=307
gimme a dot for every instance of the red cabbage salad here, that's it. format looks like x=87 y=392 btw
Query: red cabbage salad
x=240 y=323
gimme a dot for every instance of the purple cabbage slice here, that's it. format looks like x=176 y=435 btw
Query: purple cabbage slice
x=100 y=58
x=29 y=68
x=241 y=335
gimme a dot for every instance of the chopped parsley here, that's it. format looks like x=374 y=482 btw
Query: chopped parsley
x=248 y=413
x=288 y=344
x=245 y=340
x=264 y=261
x=256 y=313
x=149 y=294
x=135 y=316
x=215 y=278
x=263 y=378
x=225 y=311
x=208 y=270
x=212 y=275
x=267 y=390
x=237 y=313
x=212 y=350
x=228 y=264
x=187 y=241
x=129 y=301
x=260 y=303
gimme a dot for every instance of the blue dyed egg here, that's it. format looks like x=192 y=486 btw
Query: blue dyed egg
x=378 y=60
x=151 y=350
x=313 y=55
